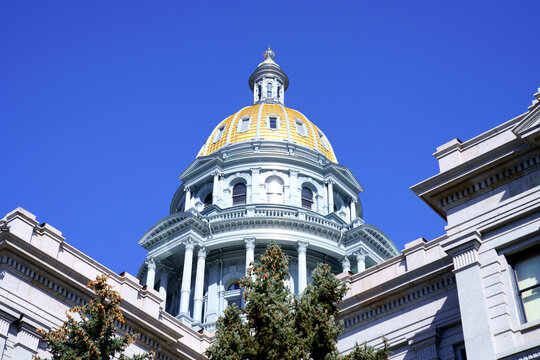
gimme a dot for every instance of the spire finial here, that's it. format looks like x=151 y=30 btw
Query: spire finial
x=269 y=54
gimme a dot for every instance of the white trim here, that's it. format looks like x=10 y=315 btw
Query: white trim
x=278 y=121
x=259 y=121
x=286 y=121
x=240 y=122
x=232 y=125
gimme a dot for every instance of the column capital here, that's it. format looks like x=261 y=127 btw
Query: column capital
x=188 y=188
x=464 y=250
x=217 y=173
x=329 y=182
x=201 y=254
x=345 y=263
x=150 y=263
x=360 y=254
x=189 y=244
x=302 y=247
x=250 y=243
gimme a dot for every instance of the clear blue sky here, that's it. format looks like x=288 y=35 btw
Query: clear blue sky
x=103 y=104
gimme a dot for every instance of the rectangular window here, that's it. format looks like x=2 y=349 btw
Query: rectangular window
x=300 y=127
x=526 y=266
x=219 y=133
x=243 y=125
x=272 y=122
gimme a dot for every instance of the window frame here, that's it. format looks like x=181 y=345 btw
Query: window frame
x=239 y=126
x=517 y=258
x=219 y=134
x=268 y=122
x=311 y=201
x=300 y=124
x=281 y=183
x=234 y=196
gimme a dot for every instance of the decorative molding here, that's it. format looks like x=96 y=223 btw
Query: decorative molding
x=345 y=264
x=302 y=247
x=150 y=263
x=369 y=312
x=250 y=243
x=489 y=181
x=425 y=344
x=189 y=244
x=201 y=254
x=32 y=275
x=27 y=337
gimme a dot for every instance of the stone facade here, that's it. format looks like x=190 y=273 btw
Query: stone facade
x=471 y=293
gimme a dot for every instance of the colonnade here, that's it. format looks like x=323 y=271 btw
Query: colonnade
x=215 y=290
x=324 y=203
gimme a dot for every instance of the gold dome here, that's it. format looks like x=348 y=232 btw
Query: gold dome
x=272 y=122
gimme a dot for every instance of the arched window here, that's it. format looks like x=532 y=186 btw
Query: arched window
x=307 y=198
x=274 y=190
x=239 y=194
x=269 y=90
x=208 y=200
x=234 y=286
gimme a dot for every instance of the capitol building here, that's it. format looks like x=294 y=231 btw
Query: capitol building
x=268 y=173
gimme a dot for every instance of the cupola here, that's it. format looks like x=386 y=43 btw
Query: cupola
x=268 y=82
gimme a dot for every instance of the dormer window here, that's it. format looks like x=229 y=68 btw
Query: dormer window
x=243 y=124
x=219 y=133
x=300 y=127
x=324 y=142
x=269 y=90
x=273 y=122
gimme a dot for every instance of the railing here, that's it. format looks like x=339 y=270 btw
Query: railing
x=274 y=211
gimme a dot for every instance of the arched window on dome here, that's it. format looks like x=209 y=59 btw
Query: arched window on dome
x=269 y=90
x=307 y=198
x=208 y=200
x=274 y=190
x=239 y=194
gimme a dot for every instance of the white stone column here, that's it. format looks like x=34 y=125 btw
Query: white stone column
x=250 y=252
x=330 y=196
x=472 y=301
x=212 y=312
x=215 y=189
x=360 y=260
x=294 y=196
x=150 y=273
x=255 y=185
x=345 y=264
x=302 y=266
x=353 y=209
x=186 y=277
x=163 y=280
x=199 y=285
x=187 y=198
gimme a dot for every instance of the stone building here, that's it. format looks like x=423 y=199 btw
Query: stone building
x=268 y=173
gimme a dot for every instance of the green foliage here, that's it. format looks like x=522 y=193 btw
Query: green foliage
x=94 y=336
x=276 y=324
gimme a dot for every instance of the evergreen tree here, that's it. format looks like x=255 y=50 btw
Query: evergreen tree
x=94 y=336
x=278 y=325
